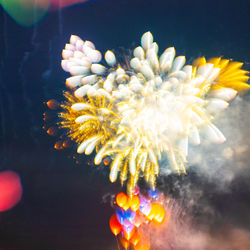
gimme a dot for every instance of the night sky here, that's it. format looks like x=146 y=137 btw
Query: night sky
x=67 y=205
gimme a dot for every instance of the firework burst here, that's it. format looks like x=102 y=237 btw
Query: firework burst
x=149 y=108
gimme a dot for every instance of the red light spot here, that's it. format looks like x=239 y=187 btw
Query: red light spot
x=10 y=190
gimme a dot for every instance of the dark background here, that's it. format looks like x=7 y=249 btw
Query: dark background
x=65 y=205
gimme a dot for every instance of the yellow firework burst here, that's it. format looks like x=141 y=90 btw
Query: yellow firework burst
x=151 y=108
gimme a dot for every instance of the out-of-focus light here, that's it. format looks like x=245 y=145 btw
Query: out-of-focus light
x=28 y=12
x=64 y=3
x=153 y=193
x=115 y=226
x=10 y=190
x=122 y=200
x=53 y=104
x=106 y=161
x=127 y=223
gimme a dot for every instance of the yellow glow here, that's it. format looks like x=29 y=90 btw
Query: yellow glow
x=232 y=76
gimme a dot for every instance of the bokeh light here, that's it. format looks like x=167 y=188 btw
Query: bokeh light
x=28 y=12
x=10 y=190
x=64 y=3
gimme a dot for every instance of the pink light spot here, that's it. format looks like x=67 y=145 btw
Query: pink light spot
x=57 y=4
x=10 y=190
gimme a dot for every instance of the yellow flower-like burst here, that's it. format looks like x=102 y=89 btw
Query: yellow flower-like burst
x=151 y=107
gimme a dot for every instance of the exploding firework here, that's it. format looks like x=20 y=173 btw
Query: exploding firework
x=146 y=109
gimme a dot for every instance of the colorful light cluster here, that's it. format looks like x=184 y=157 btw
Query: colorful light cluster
x=135 y=215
